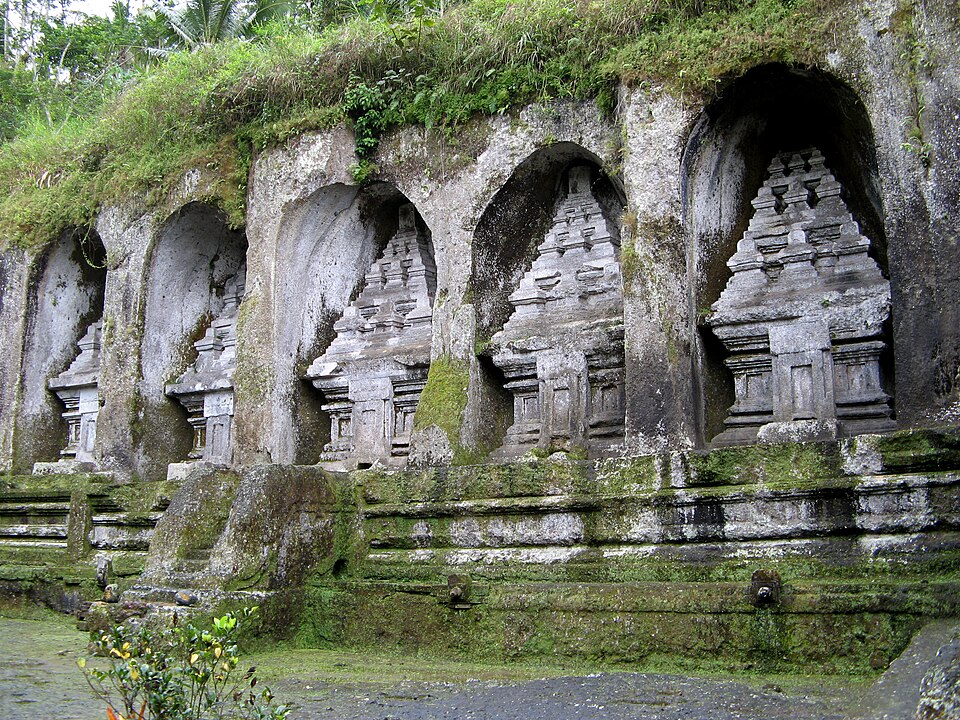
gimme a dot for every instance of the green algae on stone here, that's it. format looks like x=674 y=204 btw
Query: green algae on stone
x=783 y=465
x=443 y=403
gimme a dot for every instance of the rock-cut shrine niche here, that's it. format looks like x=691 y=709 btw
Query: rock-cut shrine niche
x=373 y=372
x=802 y=316
x=206 y=389
x=561 y=350
x=77 y=389
x=194 y=284
x=56 y=415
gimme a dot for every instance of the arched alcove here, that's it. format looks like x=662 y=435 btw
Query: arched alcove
x=194 y=265
x=770 y=110
x=65 y=301
x=516 y=220
x=330 y=245
x=547 y=288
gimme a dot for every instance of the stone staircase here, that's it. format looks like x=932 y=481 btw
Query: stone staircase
x=56 y=530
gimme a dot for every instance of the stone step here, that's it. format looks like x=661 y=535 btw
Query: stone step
x=18 y=507
x=46 y=530
x=32 y=543
x=120 y=519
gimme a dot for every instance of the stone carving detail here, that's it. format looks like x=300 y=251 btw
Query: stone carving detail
x=77 y=389
x=372 y=374
x=206 y=388
x=562 y=348
x=803 y=314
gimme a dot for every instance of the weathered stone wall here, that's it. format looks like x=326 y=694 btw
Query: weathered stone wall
x=653 y=557
x=151 y=319
x=13 y=276
x=912 y=81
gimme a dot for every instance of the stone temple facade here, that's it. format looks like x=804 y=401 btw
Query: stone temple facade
x=562 y=349
x=76 y=388
x=206 y=389
x=372 y=374
x=803 y=315
x=551 y=292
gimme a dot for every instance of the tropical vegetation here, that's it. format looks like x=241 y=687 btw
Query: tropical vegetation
x=178 y=672
x=123 y=105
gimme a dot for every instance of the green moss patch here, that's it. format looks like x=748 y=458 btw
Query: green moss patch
x=782 y=466
x=639 y=626
x=443 y=402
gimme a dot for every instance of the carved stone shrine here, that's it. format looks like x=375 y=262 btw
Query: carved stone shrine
x=373 y=372
x=562 y=348
x=206 y=388
x=803 y=315
x=77 y=389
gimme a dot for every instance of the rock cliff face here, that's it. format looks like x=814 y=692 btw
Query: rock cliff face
x=779 y=264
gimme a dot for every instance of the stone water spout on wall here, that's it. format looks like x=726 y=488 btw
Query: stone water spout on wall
x=803 y=314
x=372 y=374
x=562 y=348
x=206 y=388
x=77 y=389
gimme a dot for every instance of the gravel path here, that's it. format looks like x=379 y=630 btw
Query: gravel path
x=625 y=696
x=39 y=680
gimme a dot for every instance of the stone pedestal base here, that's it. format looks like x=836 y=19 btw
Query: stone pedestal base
x=799 y=431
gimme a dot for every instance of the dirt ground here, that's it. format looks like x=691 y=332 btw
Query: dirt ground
x=39 y=679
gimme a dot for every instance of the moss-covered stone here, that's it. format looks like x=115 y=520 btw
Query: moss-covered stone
x=784 y=465
x=443 y=403
x=607 y=624
x=919 y=450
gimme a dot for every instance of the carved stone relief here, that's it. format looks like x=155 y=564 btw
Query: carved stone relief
x=77 y=389
x=803 y=314
x=562 y=348
x=372 y=374
x=206 y=388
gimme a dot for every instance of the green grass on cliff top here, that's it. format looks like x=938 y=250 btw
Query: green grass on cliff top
x=214 y=108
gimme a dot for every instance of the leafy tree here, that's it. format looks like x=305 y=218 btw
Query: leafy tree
x=96 y=46
x=18 y=90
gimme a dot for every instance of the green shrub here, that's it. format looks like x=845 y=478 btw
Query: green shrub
x=178 y=673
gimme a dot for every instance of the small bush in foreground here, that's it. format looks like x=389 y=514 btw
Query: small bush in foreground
x=179 y=673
